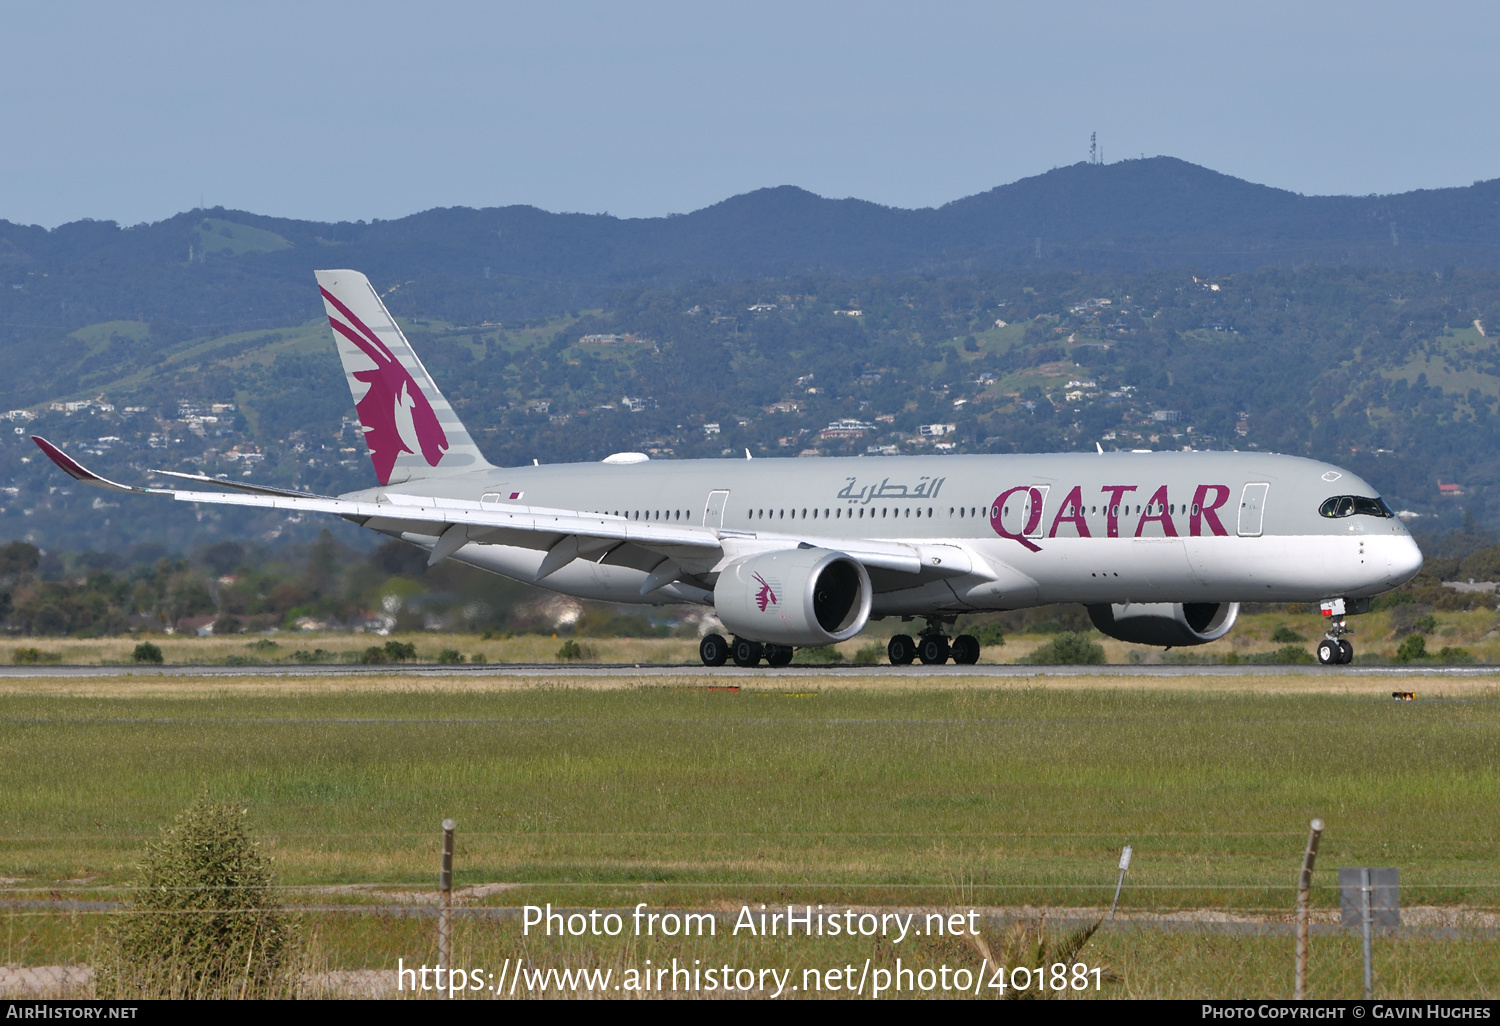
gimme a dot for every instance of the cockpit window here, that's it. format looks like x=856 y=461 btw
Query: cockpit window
x=1355 y=505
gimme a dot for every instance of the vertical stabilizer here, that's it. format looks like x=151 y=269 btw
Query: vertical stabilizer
x=410 y=429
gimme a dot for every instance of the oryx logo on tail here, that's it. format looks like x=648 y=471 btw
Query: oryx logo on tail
x=396 y=416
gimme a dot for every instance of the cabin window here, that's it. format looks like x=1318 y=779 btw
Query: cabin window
x=1172 y=509
x=804 y=514
x=929 y=512
x=783 y=514
x=1195 y=509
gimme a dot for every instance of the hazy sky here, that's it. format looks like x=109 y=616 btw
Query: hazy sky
x=131 y=112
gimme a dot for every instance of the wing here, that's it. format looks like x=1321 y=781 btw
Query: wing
x=563 y=534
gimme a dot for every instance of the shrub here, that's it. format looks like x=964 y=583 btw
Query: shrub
x=147 y=652
x=1447 y=654
x=570 y=650
x=820 y=655
x=988 y=634
x=1067 y=649
x=450 y=655
x=400 y=651
x=317 y=655
x=206 y=921
x=262 y=645
x=228 y=625
x=32 y=656
x=374 y=656
x=869 y=655
x=1293 y=654
x=1284 y=635
x=1414 y=647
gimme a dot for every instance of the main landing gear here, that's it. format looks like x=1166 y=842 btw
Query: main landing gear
x=1334 y=650
x=715 y=651
x=933 y=647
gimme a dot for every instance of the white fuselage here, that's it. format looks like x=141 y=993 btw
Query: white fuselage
x=989 y=532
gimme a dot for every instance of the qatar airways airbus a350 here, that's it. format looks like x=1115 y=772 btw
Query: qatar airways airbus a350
x=1161 y=547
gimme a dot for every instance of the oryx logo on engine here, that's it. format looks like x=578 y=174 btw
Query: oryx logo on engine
x=766 y=596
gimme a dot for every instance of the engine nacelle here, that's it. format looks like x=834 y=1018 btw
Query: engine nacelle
x=794 y=597
x=1171 y=624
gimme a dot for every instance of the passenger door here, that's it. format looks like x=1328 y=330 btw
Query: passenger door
x=1253 y=509
x=713 y=512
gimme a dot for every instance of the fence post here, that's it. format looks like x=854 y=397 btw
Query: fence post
x=1364 y=930
x=1304 y=896
x=1124 y=865
x=445 y=906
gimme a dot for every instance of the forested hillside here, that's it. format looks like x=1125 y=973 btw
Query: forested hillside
x=1356 y=330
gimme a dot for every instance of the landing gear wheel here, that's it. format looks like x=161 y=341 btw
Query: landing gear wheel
x=902 y=650
x=713 y=650
x=1348 y=651
x=747 y=653
x=966 y=650
x=1330 y=653
x=778 y=655
x=933 y=650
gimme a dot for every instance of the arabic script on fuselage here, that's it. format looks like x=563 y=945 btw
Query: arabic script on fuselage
x=890 y=491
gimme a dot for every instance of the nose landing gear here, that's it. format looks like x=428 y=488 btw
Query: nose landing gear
x=1334 y=650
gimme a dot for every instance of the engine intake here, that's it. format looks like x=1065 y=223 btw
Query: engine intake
x=1171 y=624
x=794 y=597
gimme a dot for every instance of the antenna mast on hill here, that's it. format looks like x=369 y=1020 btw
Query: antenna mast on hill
x=1093 y=147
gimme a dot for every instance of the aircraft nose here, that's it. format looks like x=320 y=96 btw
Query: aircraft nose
x=1403 y=559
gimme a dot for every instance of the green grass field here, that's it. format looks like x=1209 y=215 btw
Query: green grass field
x=1001 y=794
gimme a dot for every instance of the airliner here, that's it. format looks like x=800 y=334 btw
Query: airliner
x=1161 y=547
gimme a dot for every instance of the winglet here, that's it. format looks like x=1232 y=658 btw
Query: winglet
x=77 y=470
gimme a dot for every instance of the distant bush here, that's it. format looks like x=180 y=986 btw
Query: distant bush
x=262 y=645
x=205 y=922
x=1447 y=654
x=570 y=650
x=1413 y=648
x=317 y=655
x=1067 y=649
x=820 y=655
x=147 y=652
x=1424 y=624
x=869 y=655
x=32 y=656
x=243 y=660
x=450 y=655
x=1286 y=655
x=1284 y=635
x=390 y=652
x=229 y=625
x=988 y=634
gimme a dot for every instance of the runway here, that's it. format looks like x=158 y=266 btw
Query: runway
x=730 y=674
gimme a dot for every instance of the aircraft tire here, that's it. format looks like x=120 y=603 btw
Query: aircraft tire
x=713 y=650
x=1348 y=651
x=747 y=653
x=901 y=650
x=778 y=655
x=1329 y=652
x=933 y=650
x=966 y=650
